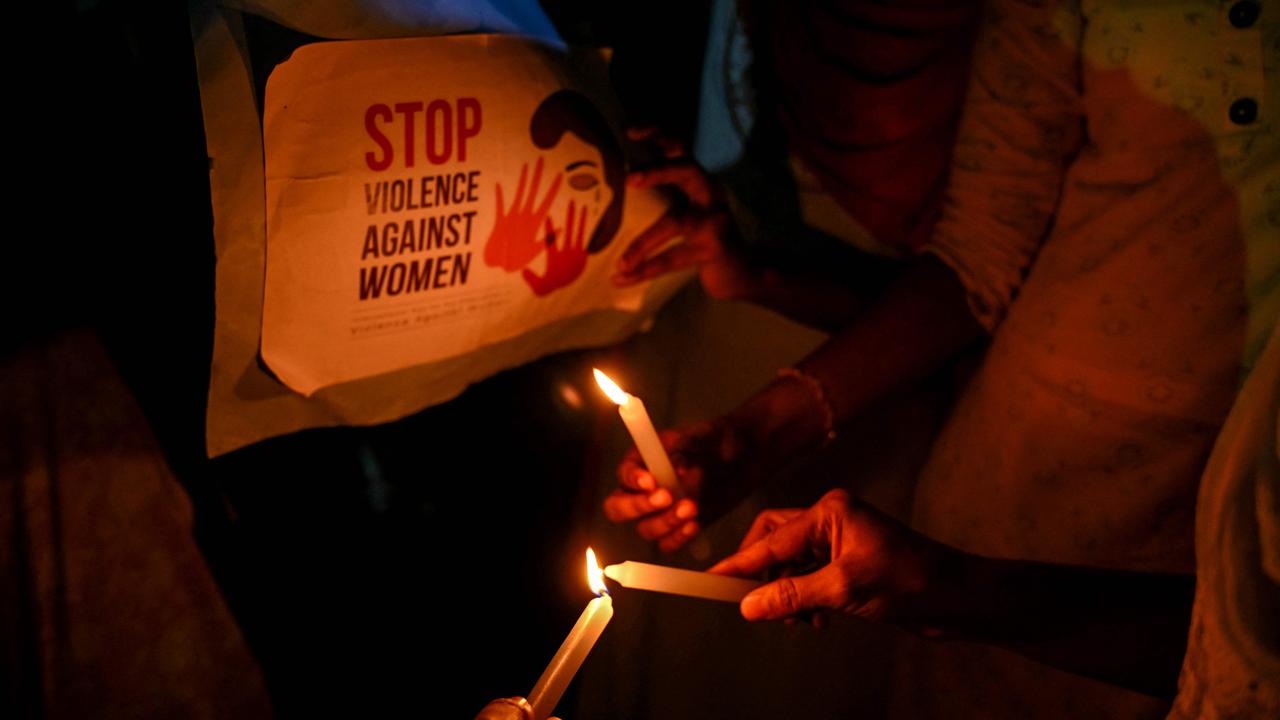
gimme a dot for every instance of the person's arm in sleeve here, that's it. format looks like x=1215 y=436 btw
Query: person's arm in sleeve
x=1020 y=129
x=1022 y=125
x=1126 y=628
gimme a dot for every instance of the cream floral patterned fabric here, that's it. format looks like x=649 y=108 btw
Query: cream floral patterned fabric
x=1232 y=667
x=1114 y=211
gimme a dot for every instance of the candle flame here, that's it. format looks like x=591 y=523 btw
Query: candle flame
x=610 y=388
x=595 y=575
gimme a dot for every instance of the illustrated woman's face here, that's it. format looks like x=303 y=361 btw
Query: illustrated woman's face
x=582 y=166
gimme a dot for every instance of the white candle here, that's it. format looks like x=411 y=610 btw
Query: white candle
x=636 y=418
x=659 y=578
x=551 y=686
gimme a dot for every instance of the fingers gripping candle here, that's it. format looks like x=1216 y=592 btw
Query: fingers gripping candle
x=576 y=646
x=636 y=418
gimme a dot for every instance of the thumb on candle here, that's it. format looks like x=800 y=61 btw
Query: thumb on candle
x=783 y=598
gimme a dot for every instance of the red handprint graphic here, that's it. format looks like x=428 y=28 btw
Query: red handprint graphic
x=514 y=239
x=566 y=262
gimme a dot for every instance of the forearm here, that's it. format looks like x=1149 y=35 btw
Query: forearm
x=915 y=325
x=1125 y=628
x=823 y=285
x=817 y=302
x=920 y=322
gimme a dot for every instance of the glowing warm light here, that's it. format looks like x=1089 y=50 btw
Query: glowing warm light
x=595 y=575
x=546 y=694
x=570 y=395
x=638 y=423
x=610 y=388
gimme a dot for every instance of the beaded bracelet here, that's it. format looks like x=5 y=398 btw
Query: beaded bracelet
x=815 y=386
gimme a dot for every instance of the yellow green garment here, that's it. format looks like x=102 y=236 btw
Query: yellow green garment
x=1114 y=213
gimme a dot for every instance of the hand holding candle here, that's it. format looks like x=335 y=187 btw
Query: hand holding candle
x=551 y=686
x=873 y=567
x=664 y=504
x=715 y=471
x=636 y=418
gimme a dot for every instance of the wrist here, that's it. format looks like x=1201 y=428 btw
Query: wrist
x=760 y=284
x=939 y=591
x=731 y=275
x=821 y=400
x=731 y=279
x=787 y=416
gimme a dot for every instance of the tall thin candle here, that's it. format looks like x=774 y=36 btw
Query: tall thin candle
x=636 y=418
x=659 y=578
x=551 y=686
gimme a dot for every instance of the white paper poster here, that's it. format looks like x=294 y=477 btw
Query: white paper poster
x=328 y=322
x=430 y=196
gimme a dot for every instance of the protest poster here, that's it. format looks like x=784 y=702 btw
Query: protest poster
x=430 y=196
x=396 y=218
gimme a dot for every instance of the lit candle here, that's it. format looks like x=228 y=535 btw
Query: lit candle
x=575 y=648
x=636 y=418
x=659 y=578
